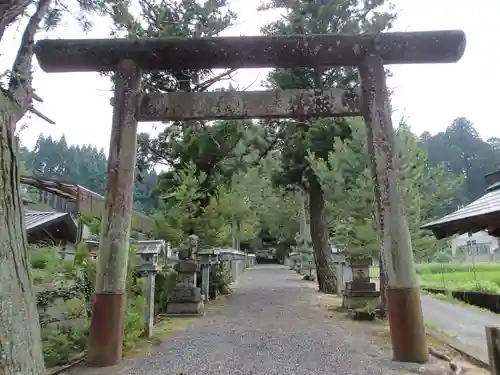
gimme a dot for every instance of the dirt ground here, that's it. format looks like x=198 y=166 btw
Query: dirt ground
x=379 y=331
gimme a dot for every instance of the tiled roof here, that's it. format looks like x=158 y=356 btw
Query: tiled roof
x=34 y=219
x=482 y=214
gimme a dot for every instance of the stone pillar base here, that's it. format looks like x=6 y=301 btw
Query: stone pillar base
x=185 y=308
x=185 y=300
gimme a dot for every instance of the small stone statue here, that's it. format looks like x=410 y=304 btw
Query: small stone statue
x=193 y=245
x=189 y=248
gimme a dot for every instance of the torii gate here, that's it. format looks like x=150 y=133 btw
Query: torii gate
x=368 y=52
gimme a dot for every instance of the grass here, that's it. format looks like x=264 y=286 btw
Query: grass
x=483 y=277
x=169 y=327
x=162 y=331
x=437 y=268
x=374 y=272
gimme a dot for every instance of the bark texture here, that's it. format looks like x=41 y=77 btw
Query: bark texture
x=319 y=236
x=20 y=340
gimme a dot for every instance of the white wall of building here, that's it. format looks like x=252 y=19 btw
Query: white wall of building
x=480 y=247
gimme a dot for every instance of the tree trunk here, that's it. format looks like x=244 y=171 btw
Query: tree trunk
x=238 y=234
x=319 y=236
x=20 y=339
x=233 y=231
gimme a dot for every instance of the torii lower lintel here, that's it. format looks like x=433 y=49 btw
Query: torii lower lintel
x=236 y=105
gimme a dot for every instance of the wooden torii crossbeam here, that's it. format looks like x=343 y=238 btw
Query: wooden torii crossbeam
x=327 y=50
x=237 y=105
x=129 y=58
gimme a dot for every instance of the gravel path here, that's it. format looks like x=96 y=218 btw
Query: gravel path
x=269 y=326
x=466 y=323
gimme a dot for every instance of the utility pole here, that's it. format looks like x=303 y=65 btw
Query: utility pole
x=409 y=341
x=108 y=310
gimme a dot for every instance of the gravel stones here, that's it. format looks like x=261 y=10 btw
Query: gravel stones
x=268 y=326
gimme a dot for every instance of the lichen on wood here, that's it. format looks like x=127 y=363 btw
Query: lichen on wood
x=115 y=226
x=178 y=106
x=398 y=254
x=176 y=53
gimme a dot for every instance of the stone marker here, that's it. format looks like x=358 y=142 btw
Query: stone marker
x=186 y=298
x=360 y=291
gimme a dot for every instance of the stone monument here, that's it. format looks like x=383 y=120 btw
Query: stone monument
x=186 y=297
x=360 y=292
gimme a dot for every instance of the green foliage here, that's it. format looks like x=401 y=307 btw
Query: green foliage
x=180 y=214
x=437 y=268
x=165 y=283
x=305 y=141
x=60 y=346
x=43 y=258
x=72 y=291
x=134 y=321
x=318 y=137
x=92 y=222
x=443 y=257
x=481 y=277
x=462 y=153
x=221 y=278
x=75 y=308
x=347 y=183
x=81 y=254
x=207 y=147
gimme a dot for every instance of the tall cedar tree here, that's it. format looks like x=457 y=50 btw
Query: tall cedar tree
x=316 y=137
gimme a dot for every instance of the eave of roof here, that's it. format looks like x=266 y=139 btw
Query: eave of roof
x=482 y=214
x=35 y=219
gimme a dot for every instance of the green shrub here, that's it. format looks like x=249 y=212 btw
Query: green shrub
x=134 y=320
x=60 y=346
x=67 y=267
x=165 y=283
x=221 y=277
x=443 y=257
x=44 y=258
x=75 y=308
x=74 y=283
x=39 y=276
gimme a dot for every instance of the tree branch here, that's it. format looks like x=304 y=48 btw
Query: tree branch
x=36 y=112
x=205 y=85
x=10 y=11
x=20 y=82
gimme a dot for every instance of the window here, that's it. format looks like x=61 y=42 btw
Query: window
x=473 y=248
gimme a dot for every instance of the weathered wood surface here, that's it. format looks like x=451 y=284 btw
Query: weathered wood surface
x=493 y=342
x=178 y=106
x=83 y=55
x=108 y=310
x=406 y=321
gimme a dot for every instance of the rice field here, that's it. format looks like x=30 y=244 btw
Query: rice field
x=484 y=277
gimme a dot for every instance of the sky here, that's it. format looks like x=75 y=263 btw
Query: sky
x=428 y=96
